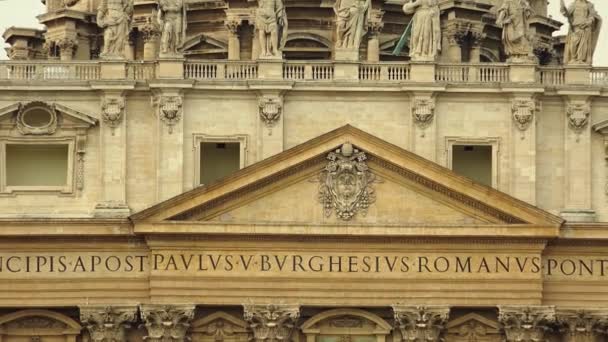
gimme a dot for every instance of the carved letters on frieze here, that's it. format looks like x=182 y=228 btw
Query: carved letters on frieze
x=526 y=323
x=167 y=323
x=420 y=323
x=107 y=324
x=346 y=183
x=271 y=322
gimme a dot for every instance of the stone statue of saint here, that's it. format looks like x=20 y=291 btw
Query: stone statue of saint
x=425 y=39
x=115 y=16
x=352 y=17
x=172 y=21
x=513 y=16
x=271 y=23
x=585 y=24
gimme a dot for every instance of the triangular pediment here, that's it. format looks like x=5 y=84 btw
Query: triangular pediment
x=71 y=117
x=346 y=178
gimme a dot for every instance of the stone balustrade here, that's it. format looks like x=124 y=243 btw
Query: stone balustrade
x=305 y=71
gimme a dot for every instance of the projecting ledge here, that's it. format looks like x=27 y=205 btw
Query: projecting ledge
x=493 y=231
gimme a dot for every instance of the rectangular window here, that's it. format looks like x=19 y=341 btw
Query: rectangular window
x=218 y=160
x=474 y=162
x=37 y=165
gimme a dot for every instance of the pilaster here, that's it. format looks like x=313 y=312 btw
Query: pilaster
x=582 y=325
x=602 y=128
x=113 y=152
x=107 y=323
x=421 y=323
x=233 y=22
x=168 y=107
x=271 y=322
x=523 y=112
x=167 y=323
x=526 y=323
x=424 y=127
x=477 y=38
x=577 y=149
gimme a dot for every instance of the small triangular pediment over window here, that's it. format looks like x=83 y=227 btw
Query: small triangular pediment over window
x=347 y=182
x=40 y=118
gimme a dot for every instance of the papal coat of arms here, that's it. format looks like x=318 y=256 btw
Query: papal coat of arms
x=345 y=183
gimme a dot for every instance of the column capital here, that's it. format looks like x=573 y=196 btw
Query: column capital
x=525 y=323
x=271 y=322
x=107 y=323
x=375 y=23
x=582 y=325
x=167 y=323
x=421 y=323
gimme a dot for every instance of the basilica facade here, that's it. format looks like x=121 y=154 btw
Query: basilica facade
x=304 y=170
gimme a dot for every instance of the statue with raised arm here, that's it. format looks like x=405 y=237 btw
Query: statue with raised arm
x=352 y=17
x=271 y=23
x=115 y=16
x=172 y=21
x=425 y=39
x=513 y=16
x=585 y=24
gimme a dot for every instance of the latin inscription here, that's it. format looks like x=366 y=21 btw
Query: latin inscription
x=278 y=264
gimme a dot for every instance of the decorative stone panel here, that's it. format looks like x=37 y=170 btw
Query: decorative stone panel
x=167 y=323
x=271 y=322
x=526 y=323
x=420 y=323
x=109 y=323
x=220 y=327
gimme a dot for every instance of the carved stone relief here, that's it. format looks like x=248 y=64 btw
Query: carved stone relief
x=271 y=322
x=524 y=110
x=107 y=324
x=346 y=183
x=526 y=323
x=35 y=322
x=167 y=323
x=420 y=323
x=423 y=112
x=582 y=325
x=37 y=118
x=112 y=110
x=578 y=112
x=271 y=108
x=220 y=327
x=170 y=110
x=473 y=327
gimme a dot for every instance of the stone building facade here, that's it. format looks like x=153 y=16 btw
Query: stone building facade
x=192 y=183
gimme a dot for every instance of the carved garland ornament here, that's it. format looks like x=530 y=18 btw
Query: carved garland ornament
x=112 y=111
x=346 y=183
x=523 y=113
x=423 y=112
x=270 y=110
x=170 y=110
x=578 y=113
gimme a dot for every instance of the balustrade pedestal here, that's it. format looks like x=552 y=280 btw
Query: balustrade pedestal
x=170 y=68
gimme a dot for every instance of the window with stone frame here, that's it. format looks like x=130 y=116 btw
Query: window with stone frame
x=216 y=157
x=474 y=158
x=42 y=148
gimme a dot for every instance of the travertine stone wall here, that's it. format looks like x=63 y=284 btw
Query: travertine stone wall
x=459 y=115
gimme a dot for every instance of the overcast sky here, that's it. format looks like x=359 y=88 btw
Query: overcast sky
x=23 y=13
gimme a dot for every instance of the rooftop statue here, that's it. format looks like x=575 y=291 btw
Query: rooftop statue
x=172 y=20
x=585 y=24
x=425 y=39
x=513 y=17
x=271 y=23
x=115 y=16
x=352 y=17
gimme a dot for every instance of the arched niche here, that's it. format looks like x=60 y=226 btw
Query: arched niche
x=219 y=327
x=38 y=326
x=346 y=325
